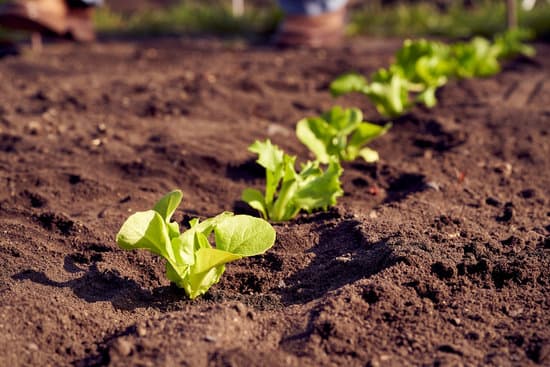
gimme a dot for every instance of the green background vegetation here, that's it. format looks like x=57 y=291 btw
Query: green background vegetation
x=444 y=18
x=401 y=19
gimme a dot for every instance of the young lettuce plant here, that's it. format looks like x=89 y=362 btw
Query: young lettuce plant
x=387 y=91
x=340 y=133
x=510 y=43
x=287 y=192
x=476 y=58
x=426 y=65
x=422 y=66
x=192 y=263
x=480 y=57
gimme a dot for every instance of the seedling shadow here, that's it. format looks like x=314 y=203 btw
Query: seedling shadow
x=249 y=171
x=404 y=185
x=343 y=255
x=438 y=135
x=398 y=185
x=97 y=285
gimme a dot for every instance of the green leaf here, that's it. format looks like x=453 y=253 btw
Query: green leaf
x=168 y=204
x=369 y=155
x=166 y=207
x=206 y=227
x=347 y=83
x=510 y=43
x=177 y=276
x=283 y=208
x=269 y=156
x=320 y=190
x=208 y=258
x=316 y=135
x=207 y=270
x=183 y=248
x=244 y=235
x=146 y=230
x=200 y=241
x=389 y=93
x=365 y=133
x=428 y=97
x=255 y=199
x=197 y=284
x=274 y=161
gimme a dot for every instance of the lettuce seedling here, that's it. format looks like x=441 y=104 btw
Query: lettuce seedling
x=426 y=65
x=510 y=43
x=329 y=135
x=192 y=263
x=287 y=192
x=480 y=57
x=476 y=58
x=422 y=66
x=387 y=91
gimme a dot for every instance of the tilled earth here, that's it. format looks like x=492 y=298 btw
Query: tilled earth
x=436 y=255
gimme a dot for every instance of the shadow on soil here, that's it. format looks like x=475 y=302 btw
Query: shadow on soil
x=403 y=186
x=343 y=255
x=398 y=185
x=248 y=171
x=107 y=286
x=438 y=135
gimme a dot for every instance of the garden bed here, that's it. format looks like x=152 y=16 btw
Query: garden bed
x=436 y=255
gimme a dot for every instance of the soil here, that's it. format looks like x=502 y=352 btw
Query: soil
x=438 y=255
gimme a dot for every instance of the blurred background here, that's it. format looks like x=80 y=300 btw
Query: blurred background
x=258 y=18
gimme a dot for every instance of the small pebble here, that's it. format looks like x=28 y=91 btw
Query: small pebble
x=122 y=347
x=32 y=346
x=101 y=128
x=433 y=185
x=34 y=127
x=344 y=258
x=276 y=129
x=210 y=78
x=210 y=338
x=141 y=331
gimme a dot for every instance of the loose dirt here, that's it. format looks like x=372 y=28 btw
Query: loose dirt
x=438 y=255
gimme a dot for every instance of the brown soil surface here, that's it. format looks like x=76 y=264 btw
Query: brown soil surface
x=437 y=255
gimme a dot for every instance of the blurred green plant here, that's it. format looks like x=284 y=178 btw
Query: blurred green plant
x=422 y=66
x=484 y=18
x=189 y=17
